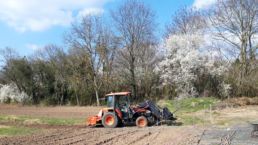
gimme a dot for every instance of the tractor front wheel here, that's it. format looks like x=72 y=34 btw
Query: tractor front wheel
x=109 y=120
x=141 y=121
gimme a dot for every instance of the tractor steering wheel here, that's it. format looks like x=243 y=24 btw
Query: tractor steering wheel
x=122 y=105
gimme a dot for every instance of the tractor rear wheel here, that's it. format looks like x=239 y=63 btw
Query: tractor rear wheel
x=109 y=120
x=141 y=121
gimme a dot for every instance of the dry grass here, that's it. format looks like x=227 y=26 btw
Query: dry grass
x=236 y=102
x=228 y=116
x=4 y=126
x=243 y=101
x=32 y=121
x=50 y=112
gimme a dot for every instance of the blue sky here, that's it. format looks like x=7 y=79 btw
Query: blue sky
x=27 y=25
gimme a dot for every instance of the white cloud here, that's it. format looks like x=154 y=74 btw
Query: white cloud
x=203 y=4
x=34 y=47
x=38 y=15
x=90 y=11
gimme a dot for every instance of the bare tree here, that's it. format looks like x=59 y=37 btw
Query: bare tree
x=236 y=24
x=148 y=77
x=186 y=21
x=92 y=38
x=136 y=26
x=7 y=54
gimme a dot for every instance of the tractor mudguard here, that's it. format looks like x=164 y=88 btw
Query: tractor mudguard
x=119 y=113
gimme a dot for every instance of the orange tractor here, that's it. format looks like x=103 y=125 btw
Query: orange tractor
x=120 y=112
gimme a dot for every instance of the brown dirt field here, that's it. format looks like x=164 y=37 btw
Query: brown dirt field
x=156 y=135
x=81 y=134
x=118 y=136
x=53 y=112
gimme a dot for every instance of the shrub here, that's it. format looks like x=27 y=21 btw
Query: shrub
x=10 y=94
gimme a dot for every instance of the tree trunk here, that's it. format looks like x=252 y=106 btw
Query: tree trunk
x=133 y=81
x=243 y=64
x=96 y=90
x=62 y=96
x=77 y=98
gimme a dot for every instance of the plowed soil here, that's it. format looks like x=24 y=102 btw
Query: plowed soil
x=156 y=135
x=80 y=134
x=103 y=136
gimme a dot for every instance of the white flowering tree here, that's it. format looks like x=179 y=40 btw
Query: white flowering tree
x=10 y=93
x=184 y=63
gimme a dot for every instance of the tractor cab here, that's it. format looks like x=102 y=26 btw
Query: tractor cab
x=116 y=111
x=120 y=104
x=114 y=100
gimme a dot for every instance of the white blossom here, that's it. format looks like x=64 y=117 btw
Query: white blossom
x=184 y=61
x=224 y=89
x=11 y=91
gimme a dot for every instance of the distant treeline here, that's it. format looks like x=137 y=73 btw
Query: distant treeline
x=209 y=52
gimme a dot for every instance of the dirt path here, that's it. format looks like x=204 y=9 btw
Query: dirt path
x=117 y=136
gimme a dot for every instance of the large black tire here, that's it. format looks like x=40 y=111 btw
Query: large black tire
x=109 y=120
x=141 y=121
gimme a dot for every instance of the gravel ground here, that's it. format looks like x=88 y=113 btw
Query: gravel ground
x=236 y=135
